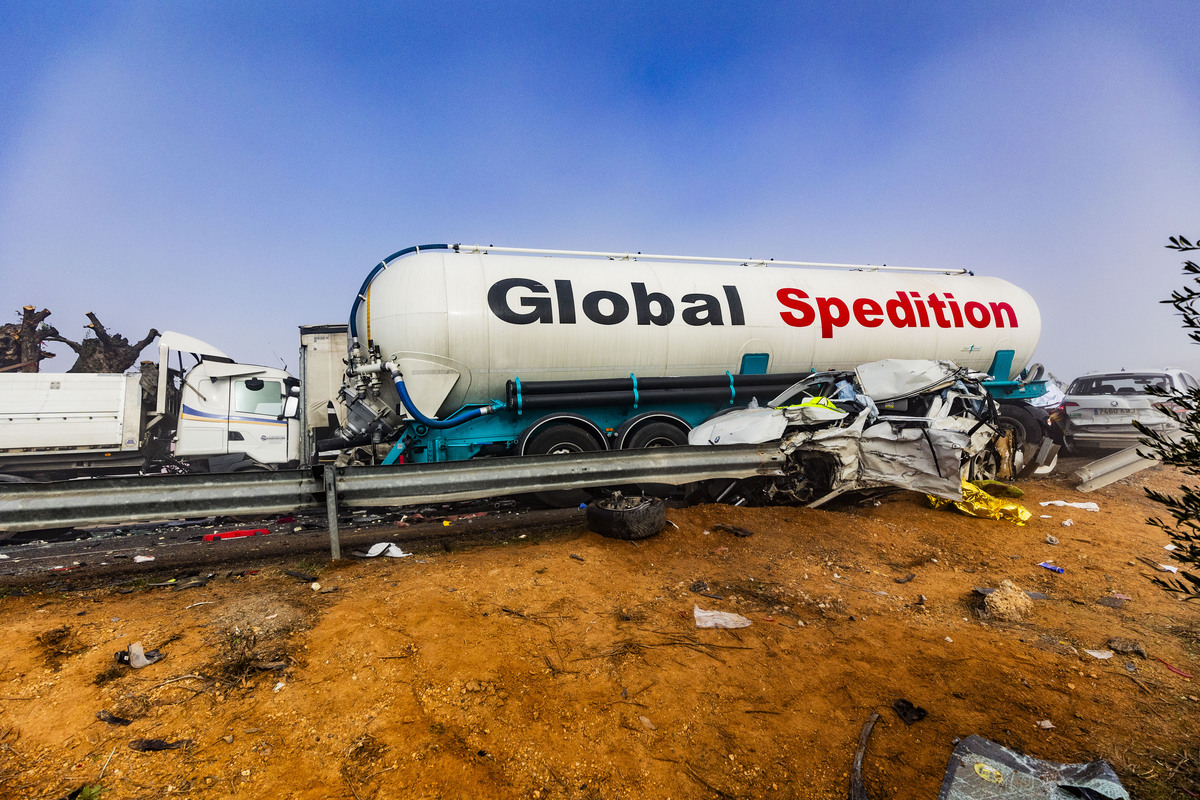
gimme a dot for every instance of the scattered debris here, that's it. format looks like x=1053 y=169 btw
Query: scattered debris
x=999 y=488
x=1046 y=725
x=718 y=619
x=908 y=712
x=1173 y=669
x=1081 y=506
x=1103 y=655
x=136 y=657
x=576 y=556
x=1066 y=523
x=216 y=537
x=142 y=559
x=1156 y=566
x=383 y=549
x=154 y=745
x=1050 y=566
x=104 y=716
x=978 y=503
x=1125 y=646
x=858 y=790
x=978 y=766
x=1051 y=539
x=906 y=578
x=301 y=576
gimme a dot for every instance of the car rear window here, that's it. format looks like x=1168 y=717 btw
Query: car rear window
x=1120 y=383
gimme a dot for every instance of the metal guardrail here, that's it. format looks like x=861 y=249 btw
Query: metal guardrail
x=63 y=504
x=1111 y=468
x=68 y=504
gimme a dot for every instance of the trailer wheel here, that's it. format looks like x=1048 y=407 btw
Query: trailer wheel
x=656 y=434
x=561 y=440
x=627 y=518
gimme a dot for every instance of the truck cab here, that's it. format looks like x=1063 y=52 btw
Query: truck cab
x=232 y=416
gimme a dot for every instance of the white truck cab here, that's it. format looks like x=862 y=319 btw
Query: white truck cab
x=236 y=416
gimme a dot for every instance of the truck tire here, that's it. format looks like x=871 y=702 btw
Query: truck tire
x=656 y=434
x=627 y=518
x=561 y=440
x=1022 y=423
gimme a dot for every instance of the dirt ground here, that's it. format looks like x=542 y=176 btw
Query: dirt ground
x=566 y=665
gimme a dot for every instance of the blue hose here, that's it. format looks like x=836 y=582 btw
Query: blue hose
x=429 y=422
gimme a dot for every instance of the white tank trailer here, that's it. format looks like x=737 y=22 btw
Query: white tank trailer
x=459 y=350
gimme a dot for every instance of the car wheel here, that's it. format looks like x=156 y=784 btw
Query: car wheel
x=627 y=518
x=983 y=466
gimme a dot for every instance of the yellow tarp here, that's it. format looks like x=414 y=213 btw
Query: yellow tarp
x=978 y=503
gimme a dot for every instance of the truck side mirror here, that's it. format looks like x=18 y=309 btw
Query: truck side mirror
x=291 y=405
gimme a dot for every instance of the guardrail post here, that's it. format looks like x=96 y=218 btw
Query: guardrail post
x=331 y=511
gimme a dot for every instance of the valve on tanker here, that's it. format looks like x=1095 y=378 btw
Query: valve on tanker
x=370 y=416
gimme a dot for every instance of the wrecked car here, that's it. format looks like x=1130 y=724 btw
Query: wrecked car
x=898 y=423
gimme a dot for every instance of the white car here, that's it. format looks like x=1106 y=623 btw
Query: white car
x=1102 y=406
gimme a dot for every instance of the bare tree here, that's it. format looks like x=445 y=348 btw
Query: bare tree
x=104 y=352
x=21 y=343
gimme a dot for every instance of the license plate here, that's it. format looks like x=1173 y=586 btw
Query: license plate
x=1113 y=411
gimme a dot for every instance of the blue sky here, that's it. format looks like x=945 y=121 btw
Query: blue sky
x=233 y=170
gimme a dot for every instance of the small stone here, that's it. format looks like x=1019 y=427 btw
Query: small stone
x=645 y=721
x=1046 y=725
x=1119 y=644
x=228 y=739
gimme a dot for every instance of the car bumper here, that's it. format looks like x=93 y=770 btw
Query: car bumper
x=1110 y=440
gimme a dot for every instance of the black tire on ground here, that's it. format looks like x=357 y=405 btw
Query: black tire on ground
x=561 y=440
x=1022 y=423
x=628 y=518
x=656 y=434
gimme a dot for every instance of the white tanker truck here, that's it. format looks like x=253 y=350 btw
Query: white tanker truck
x=458 y=351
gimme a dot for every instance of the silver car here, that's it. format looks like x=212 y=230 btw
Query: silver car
x=1101 y=407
